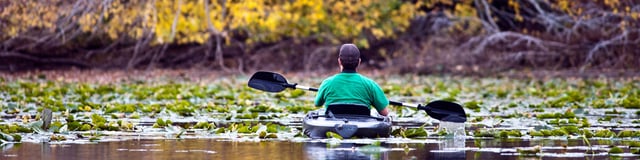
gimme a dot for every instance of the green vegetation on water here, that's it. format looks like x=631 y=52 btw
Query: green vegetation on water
x=497 y=108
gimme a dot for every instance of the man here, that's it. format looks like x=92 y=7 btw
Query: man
x=351 y=87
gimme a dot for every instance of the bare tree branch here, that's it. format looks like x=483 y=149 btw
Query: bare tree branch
x=171 y=36
x=479 y=44
x=219 y=55
x=622 y=39
x=485 y=14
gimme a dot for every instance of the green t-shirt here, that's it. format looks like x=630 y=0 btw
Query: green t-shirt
x=353 y=88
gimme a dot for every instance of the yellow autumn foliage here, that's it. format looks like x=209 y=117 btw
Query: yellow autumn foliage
x=23 y=16
x=256 y=21
x=184 y=21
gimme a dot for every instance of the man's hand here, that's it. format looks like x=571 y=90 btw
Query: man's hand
x=384 y=112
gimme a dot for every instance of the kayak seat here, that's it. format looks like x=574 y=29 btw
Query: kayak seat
x=353 y=109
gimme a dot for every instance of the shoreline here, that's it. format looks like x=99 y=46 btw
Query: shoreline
x=110 y=76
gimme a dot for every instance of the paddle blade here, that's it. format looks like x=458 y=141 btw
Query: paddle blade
x=268 y=81
x=446 y=111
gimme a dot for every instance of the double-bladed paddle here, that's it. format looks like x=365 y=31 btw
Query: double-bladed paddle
x=440 y=110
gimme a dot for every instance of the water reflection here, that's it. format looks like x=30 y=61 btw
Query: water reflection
x=453 y=145
x=324 y=151
x=7 y=146
x=391 y=148
x=450 y=149
x=157 y=149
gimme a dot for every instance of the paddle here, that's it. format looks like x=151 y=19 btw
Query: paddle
x=440 y=110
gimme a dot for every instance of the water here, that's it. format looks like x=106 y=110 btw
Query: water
x=200 y=144
x=157 y=149
x=154 y=143
x=214 y=149
x=450 y=149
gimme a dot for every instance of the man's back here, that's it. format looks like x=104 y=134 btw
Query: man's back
x=351 y=88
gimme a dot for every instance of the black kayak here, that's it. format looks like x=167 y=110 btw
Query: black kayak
x=346 y=120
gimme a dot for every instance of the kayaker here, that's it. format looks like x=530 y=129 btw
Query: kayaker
x=349 y=86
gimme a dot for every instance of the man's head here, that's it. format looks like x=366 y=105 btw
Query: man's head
x=349 y=56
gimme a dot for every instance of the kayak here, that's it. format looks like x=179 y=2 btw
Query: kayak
x=347 y=125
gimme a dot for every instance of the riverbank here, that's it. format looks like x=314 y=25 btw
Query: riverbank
x=110 y=76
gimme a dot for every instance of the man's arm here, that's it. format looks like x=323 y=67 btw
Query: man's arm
x=380 y=101
x=320 y=96
x=319 y=100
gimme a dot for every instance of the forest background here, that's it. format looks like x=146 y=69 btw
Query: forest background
x=470 y=37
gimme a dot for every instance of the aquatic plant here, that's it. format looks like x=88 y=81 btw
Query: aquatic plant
x=628 y=133
x=247 y=116
x=631 y=102
x=566 y=114
x=182 y=107
x=529 y=151
x=134 y=115
x=220 y=130
x=57 y=137
x=477 y=119
x=204 y=125
x=536 y=134
x=585 y=123
x=14 y=128
x=274 y=128
x=290 y=93
x=572 y=130
x=615 y=150
x=512 y=133
x=633 y=144
x=300 y=109
x=9 y=137
x=587 y=133
x=410 y=132
x=614 y=111
x=264 y=135
x=330 y=134
x=559 y=132
x=97 y=119
x=604 y=133
x=479 y=133
x=160 y=123
x=246 y=129
x=473 y=105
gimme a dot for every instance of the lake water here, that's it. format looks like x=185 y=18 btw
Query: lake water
x=450 y=149
x=214 y=149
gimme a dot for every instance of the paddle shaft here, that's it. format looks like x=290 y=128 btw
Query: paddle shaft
x=390 y=102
